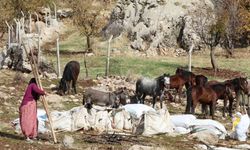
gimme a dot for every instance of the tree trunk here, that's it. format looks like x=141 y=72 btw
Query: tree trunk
x=89 y=45
x=85 y=65
x=229 y=47
x=213 y=61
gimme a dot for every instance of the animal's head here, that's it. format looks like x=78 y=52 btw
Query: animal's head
x=179 y=71
x=134 y=99
x=88 y=103
x=123 y=94
x=116 y=102
x=201 y=80
x=244 y=85
x=62 y=87
x=240 y=84
x=164 y=80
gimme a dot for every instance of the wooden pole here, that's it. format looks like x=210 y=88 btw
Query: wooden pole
x=16 y=30
x=39 y=47
x=108 y=57
x=29 y=22
x=58 y=57
x=8 y=34
x=49 y=16
x=36 y=75
x=55 y=10
x=190 y=57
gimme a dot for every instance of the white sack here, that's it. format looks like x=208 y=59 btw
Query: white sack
x=122 y=119
x=182 y=120
x=136 y=110
x=155 y=123
x=211 y=125
x=61 y=120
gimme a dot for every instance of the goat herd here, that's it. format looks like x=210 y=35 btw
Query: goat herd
x=198 y=90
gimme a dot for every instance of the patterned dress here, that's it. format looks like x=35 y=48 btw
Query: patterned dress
x=28 y=111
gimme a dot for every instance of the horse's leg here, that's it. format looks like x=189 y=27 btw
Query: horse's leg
x=68 y=87
x=212 y=109
x=230 y=106
x=154 y=97
x=179 y=93
x=74 y=85
x=175 y=94
x=204 y=110
x=244 y=102
x=248 y=110
x=237 y=100
x=189 y=105
x=194 y=106
x=161 y=97
x=143 y=98
x=225 y=106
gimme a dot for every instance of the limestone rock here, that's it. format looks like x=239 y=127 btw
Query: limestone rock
x=153 y=25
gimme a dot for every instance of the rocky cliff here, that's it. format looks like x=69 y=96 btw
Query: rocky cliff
x=155 y=26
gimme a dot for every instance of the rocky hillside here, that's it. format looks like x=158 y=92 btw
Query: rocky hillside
x=154 y=26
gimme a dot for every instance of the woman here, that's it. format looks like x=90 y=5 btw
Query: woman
x=28 y=110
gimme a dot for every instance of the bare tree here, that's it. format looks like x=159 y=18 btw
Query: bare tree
x=209 y=29
x=89 y=18
x=228 y=13
x=235 y=15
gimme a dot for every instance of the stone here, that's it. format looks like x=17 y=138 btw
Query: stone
x=206 y=137
x=50 y=75
x=52 y=86
x=54 y=98
x=68 y=141
x=200 y=147
x=75 y=100
x=142 y=147
x=72 y=96
x=12 y=88
x=242 y=146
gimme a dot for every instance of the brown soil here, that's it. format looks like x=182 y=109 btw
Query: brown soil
x=222 y=73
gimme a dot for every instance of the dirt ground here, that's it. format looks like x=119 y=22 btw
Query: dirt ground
x=222 y=73
x=11 y=92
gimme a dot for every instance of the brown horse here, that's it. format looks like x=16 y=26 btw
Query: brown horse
x=69 y=78
x=208 y=95
x=240 y=87
x=188 y=76
x=237 y=85
x=201 y=80
x=177 y=82
x=224 y=92
x=181 y=78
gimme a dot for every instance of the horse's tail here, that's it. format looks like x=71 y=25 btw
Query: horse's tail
x=189 y=101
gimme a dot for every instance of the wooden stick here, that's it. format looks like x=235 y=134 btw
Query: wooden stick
x=36 y=75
